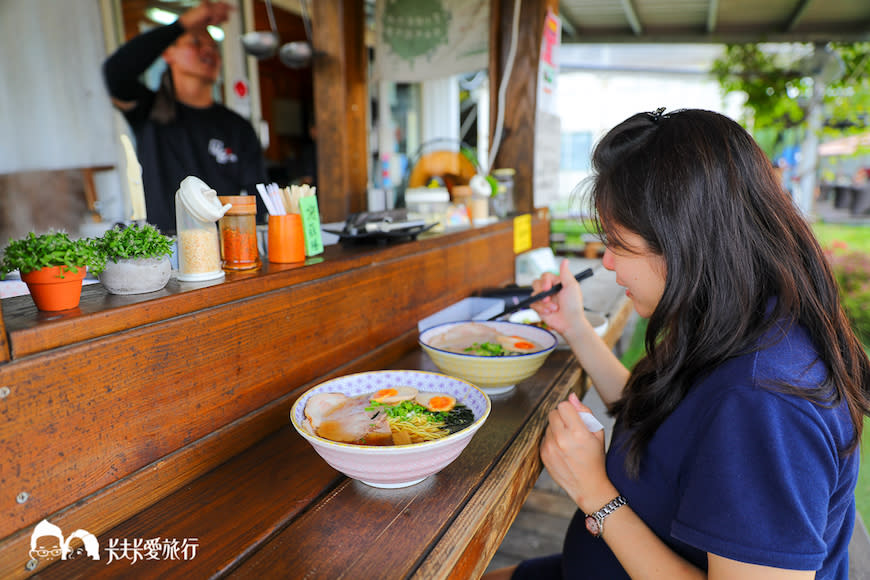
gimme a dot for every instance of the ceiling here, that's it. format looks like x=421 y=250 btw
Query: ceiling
x=714 y=21
x=682 y=21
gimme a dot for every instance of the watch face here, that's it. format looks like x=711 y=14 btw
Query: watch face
x=592 y=526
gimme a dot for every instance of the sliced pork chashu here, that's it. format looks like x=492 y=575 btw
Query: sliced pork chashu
x=337 y=417
x=462 y=336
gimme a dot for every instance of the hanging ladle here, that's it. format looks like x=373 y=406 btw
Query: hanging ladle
x=298 y=54
x=261 y=44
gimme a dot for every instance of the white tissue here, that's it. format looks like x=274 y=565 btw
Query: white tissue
x=591 y=422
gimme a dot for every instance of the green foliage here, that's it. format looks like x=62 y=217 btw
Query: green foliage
x=52 y=249
x=852 y=271
x=766 y=79
x=637 y=347
x=134 y=241
x=848 y=100
x=777 y=81
x=855 y=238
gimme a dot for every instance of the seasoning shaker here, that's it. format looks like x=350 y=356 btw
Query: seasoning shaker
x=197 y=210
x=238 y=233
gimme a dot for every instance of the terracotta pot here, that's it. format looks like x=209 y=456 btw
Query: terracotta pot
x=50 y=292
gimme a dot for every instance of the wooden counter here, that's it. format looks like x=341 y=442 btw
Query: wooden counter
x=166 y=416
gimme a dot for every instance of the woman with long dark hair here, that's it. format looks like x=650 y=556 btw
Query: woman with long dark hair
x=735 y=447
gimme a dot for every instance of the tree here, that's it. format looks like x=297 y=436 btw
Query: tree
x=778 y=81
x=799 y=93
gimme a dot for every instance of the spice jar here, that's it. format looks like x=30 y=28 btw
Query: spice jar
x=503 y=202
x=238 y=233
x=197 y=210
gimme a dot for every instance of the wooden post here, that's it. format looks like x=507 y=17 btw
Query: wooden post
x=341 y=98
x=517 y=146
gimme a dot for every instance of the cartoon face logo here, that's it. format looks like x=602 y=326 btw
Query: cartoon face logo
x=47 y=543
x=89 y=545
x=75 y=552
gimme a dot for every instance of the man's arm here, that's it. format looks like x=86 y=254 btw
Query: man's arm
x=122 y=69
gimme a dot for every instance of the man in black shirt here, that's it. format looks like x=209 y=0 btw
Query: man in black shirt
x=180 y=130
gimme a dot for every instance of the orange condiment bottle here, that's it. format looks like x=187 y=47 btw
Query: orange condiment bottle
x=238 y=232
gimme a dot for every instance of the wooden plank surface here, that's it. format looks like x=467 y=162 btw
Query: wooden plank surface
x=473 y=538
x=100 y=314
x=125 y=419
x=359 y=531
x=260 y=513
x=279 y=509
x=111 y=505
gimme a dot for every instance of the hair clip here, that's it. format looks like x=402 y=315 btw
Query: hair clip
x=657 y=115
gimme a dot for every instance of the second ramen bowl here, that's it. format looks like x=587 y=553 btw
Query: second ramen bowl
x=395 y=465
x=494 y=374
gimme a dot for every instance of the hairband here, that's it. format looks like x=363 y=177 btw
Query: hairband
x=657 y=115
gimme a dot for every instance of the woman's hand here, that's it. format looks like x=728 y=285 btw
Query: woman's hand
x=562 y=312
x=574 y=457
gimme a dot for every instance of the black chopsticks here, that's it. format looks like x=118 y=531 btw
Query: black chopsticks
x=554 y=290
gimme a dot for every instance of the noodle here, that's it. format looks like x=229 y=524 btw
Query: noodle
x=418 y=428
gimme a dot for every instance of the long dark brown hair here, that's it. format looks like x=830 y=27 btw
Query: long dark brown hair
x=701 y=193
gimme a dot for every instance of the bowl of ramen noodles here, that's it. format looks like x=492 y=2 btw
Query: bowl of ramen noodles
x=493 y=355
x=391 y=428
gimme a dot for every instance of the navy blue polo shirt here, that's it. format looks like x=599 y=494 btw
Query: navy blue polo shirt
x=740 y=470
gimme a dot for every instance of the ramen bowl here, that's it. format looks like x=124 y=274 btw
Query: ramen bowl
x=493 y=374
x=394 y=466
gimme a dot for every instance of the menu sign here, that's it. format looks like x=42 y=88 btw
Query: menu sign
x=310 y=214
x=522 y=233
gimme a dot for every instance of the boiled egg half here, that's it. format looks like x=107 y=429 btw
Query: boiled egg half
x=517 y=344
x=436 y=402
x=393 y=395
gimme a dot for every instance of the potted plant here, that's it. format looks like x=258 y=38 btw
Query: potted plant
x=137 y=259
x=53 y=267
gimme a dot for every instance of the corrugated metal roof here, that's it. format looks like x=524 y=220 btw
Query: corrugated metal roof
x=715 y=20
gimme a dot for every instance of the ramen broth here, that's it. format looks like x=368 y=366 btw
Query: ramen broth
x=391 y=416
x=482 y=340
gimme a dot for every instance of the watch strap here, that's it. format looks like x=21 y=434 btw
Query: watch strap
x=605 y=511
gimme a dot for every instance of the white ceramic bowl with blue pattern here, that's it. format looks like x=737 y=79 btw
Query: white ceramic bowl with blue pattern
x=395 y=465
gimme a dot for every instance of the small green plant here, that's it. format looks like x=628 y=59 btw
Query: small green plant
x=134 y=241
x=34 y=252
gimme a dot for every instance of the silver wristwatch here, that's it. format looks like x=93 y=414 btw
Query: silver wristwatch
x=595 y=521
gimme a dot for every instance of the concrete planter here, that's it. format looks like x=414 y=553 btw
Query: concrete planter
x=136 y=275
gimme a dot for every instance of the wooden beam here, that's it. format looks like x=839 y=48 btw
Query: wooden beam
x=712 y=16
x=631 y=16
x=798 y=13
